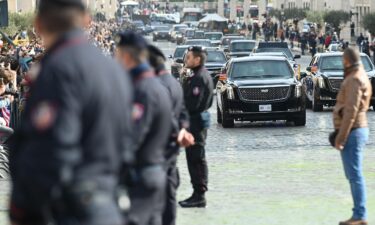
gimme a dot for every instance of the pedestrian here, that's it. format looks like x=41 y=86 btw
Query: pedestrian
x=67 y=153
x=313 y=45
x=152 y=113
x=303 y=43
x=360 y=39
x=365 y=46
x=350 y=122
x=198 y=94
x=179 y=136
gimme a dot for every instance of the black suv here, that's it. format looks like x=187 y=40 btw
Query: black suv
x=241 y=48
x=323 y=78
x=177 y=59
x=161 y=33
x=259 y=88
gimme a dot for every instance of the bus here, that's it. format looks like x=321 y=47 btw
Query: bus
x=254 y=12
x=191 y=16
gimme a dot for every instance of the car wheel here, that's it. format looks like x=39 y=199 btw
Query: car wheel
x=300 y=120
x=316 y=105
x=219 y=117
x=226 y=121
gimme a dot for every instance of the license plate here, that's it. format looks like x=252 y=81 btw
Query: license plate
x=265 y=108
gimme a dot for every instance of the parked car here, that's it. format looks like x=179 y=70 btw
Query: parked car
x=323 y=78
x=160 y=33
x=241 y=48
x=198 y=42
x=214 y=37
x=259 y=88
x=176 y=30
x=177 y=60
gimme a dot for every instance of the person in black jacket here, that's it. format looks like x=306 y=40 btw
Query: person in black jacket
x=198 y=94
x=66 y=156
x=179 y=136
x=152 y=113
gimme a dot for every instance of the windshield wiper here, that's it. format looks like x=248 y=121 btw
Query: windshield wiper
x=242 y=77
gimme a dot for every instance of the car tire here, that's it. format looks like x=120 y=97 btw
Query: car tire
x=300 y=120
x=316 y=105
x=219 y=117
x=226 y=121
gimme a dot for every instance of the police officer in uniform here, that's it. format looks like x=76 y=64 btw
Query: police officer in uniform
x=152 y=115
x=179 y=136
x=198 y=89
x=67 y=154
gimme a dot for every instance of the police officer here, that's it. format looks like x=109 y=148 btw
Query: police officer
x=198 y=89
x=66 y=156
x=179 y=136
x=152 y=115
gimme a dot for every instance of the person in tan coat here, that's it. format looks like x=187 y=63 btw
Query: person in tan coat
x=350 y=121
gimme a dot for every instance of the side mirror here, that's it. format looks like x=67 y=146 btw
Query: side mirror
x=170 y=57
x=297 y=56
x=179 y=61
x=308 y=68
x=226 y=50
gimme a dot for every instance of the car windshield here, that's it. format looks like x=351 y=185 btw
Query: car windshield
x=138 y=23
x=242 y=46
x=218 y=57
x=199 y=35
x=161 y=28
x=226 y=41
x=334 y=63
x=189 y=33
x=213 y=37
x=199 y=43
x=266 y=69
x=179 y=53
x=179 y=28
x=286 y=51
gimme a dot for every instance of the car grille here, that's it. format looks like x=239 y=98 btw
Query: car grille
x=264 y=94
x=335 y=83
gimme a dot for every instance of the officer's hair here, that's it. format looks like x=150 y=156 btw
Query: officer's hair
x=202 y=55
x=58 y=18
x=139 y=55
x=156 y=61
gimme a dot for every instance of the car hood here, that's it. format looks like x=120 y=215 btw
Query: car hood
x=331 y=74
x=260 y=83
x=214 y=64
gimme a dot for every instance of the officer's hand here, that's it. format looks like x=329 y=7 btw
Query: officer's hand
x=11 y=98
x=185 y=139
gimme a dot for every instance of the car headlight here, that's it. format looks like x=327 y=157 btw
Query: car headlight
x=230 y=92
x=298 y=90
x=321 y=83
x=156 y=33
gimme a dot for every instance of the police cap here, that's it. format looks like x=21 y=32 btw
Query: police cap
x=43 y=4
x=131 y=39
x=152 y=49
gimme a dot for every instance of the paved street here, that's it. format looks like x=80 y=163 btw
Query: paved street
x=270 y=173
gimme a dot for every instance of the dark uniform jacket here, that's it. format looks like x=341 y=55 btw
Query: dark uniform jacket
x=198 y=95
x=180 y=117
x=75 y=125
x=152 y=115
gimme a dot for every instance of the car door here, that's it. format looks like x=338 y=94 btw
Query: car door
x=309 y=80
x=220 y=87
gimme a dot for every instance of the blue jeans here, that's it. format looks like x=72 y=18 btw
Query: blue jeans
x=352 y=158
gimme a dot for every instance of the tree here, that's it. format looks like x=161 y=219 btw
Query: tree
x=368 y=22
x=19 y=22
x=295 y=14
x=315 y=17
x=335 y=18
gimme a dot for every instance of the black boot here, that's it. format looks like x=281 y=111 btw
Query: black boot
x=197 y=200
